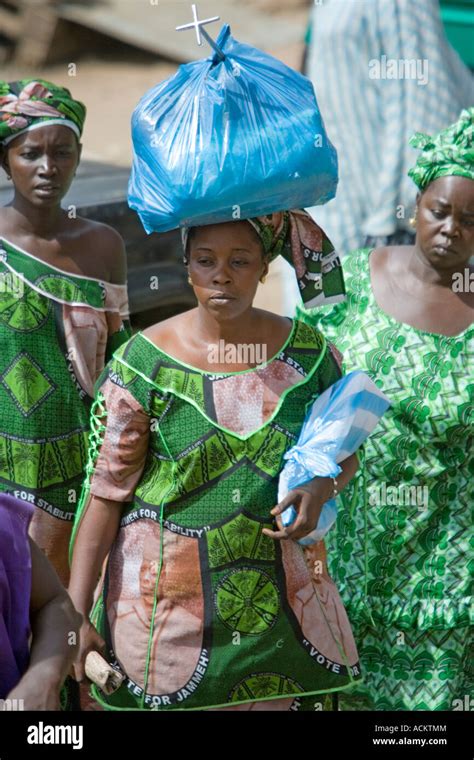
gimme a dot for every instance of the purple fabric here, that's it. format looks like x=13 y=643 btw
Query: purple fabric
x=15 y=590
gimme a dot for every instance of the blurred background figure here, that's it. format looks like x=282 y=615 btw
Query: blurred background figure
x=33 y=603
x=382 y=69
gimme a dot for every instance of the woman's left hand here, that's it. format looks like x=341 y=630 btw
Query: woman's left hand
x=308 y=501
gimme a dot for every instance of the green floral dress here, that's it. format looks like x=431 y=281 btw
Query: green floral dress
x=199 y=608
x=401 y=551
x=57 y=330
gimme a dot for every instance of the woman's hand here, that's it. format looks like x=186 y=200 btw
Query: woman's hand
x=308 y=501
x=38 y=689
x=96 y=534
x=89 y=641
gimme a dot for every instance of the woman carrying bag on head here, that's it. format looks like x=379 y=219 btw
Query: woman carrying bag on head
x=206 y=601
x=209 y=600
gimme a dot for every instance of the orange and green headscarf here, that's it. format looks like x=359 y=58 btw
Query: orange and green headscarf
x=31 y=103
x=296 y=236
x=450 y=152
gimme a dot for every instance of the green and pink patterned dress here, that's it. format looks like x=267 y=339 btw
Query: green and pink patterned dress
x=199 y=608
x=402 y=552
x=57 y=330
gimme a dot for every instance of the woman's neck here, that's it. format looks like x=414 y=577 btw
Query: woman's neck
x=27 y=219
x=210 y=330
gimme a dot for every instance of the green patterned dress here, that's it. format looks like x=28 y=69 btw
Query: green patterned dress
x=200 y=609
x=401 y=552
x=57 y=330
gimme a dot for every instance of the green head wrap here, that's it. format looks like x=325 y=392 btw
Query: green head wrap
x=450 y=152
x=31 y=103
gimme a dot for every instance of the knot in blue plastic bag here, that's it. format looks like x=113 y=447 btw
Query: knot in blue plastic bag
x=229 y=139
x=303 y=463
x=338 y=423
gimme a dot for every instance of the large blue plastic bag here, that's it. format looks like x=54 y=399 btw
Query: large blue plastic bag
x=231 y=139
x=337 y=424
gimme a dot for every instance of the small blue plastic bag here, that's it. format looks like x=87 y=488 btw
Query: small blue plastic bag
x=339 y=422
x=228 y=139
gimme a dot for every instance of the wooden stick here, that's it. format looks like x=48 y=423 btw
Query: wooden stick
x=102 y=674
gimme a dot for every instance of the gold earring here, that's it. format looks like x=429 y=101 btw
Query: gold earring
x=190 y=280
x=263 y=278
x=413 y=219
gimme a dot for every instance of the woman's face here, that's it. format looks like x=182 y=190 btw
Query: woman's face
x=42 y=163
x=225 y=265
x=445 y=222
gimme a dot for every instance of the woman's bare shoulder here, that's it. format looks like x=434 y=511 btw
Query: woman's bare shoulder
x=271 y=321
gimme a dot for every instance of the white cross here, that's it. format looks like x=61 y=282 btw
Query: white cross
x=196 y=24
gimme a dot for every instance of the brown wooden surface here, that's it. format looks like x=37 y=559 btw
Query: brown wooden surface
x=151 y=26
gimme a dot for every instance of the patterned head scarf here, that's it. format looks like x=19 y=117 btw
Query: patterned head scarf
x=449 y=152
x=31 y=103
x=296 y=236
